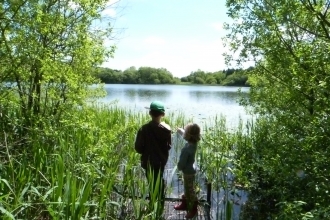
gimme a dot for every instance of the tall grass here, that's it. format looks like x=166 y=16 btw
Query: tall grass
x=218 y=161
x=87 y=168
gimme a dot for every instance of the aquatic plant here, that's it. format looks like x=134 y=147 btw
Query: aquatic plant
x=85 y=167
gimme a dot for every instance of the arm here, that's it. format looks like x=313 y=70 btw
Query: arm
x=168 y=134
x=169 y=140
x=139 y=142
x=180 y=131
x=183 y=159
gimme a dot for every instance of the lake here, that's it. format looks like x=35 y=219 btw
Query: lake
x=198 y=102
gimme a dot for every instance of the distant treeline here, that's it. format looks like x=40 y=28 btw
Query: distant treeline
x=149 y=75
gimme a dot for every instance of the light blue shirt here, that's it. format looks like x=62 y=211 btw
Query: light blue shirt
x=187 y=158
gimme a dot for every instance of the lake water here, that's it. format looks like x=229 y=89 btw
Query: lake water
x=200 y=103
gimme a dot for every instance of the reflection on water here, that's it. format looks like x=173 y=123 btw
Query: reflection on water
x=147 y=95
x=197 y=102
x=223 y=96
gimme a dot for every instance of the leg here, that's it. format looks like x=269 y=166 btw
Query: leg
x=182 y=205
x=189 y=190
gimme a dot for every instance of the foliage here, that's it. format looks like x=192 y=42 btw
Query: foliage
x=217 y=162
x=73 y=171
x=285 y=164
x=229 y=77
x=148 y=75
x=48 y=49
x=70 y=172
x=143 y=75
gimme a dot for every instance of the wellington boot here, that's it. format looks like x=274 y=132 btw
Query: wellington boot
x=183 y=205
x=193 y=212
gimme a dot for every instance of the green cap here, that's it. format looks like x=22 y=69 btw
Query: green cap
x=157 y=106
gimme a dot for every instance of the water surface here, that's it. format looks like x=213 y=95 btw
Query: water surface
x=200 y=103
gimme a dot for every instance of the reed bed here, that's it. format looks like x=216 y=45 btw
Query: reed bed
x=86 y=168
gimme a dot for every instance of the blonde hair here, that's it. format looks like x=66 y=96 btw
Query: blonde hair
x=192 y=133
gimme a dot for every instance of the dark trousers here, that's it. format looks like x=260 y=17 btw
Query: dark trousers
x=156 y=182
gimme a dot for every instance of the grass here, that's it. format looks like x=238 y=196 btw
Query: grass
x=86 y=168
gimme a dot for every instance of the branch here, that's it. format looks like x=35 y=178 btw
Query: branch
x=309 y=31
x=284 y=83
x=321 y=17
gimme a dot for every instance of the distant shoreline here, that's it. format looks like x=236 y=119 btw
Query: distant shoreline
x=182 y=84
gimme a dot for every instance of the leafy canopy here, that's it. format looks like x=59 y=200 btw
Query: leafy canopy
x=289 y=41
x=48 y=50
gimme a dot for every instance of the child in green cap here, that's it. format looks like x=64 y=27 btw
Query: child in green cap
x=153 y=141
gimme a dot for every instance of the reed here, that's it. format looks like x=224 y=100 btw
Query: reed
x=86 y=168
x=217 y=158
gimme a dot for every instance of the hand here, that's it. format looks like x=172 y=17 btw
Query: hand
x=180 y=131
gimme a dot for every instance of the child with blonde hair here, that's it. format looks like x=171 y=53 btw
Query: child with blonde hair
x=191 y=133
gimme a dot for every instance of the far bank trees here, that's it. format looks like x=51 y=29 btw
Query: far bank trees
x=143 y=75
x=149 y=75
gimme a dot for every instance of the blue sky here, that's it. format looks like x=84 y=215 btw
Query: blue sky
x=179 y=35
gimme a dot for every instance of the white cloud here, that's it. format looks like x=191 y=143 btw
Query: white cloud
x=218 y=26
x=153 y=40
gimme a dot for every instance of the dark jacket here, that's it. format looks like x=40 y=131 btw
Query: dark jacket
x=153 y=142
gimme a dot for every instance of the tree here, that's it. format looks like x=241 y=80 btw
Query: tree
x=129 y=75
x=48 y=51
x=107 y=75
x=238 y=78
x=230 y=77
x=199 y=80
x=198 y=77
x=165 y=76
x=288 y=41
x=220 y=76
x=184 y=79
x=210 y=79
